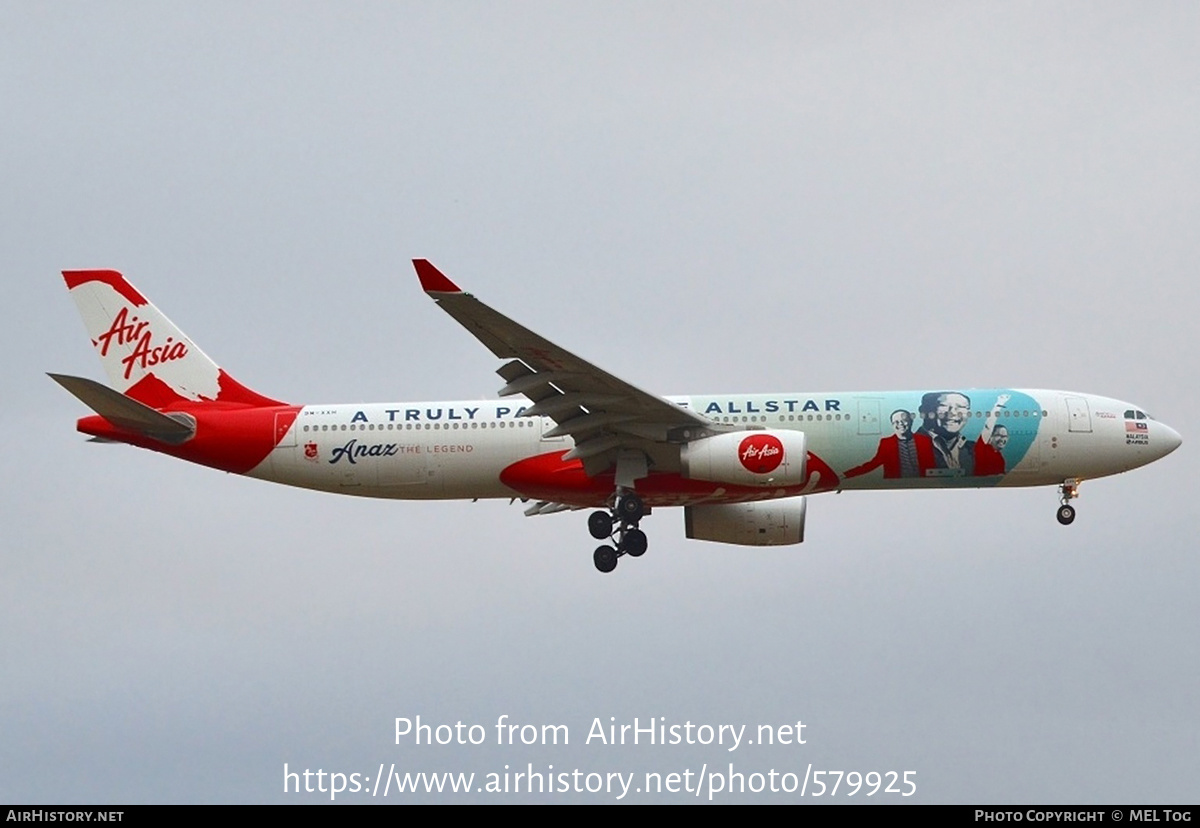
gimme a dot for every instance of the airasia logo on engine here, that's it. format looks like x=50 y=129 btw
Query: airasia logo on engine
x=761 y=453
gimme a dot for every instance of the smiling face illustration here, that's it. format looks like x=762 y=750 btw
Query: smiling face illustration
x=952 y=413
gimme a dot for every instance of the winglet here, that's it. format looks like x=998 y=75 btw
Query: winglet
x=432 y=279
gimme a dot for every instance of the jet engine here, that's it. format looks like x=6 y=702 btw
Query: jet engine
x=763 y=523
x=747 y=458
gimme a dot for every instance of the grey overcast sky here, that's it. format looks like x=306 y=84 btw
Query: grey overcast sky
x=698 y=197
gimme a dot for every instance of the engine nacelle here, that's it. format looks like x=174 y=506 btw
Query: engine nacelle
x=762 y=523
x=747 y=458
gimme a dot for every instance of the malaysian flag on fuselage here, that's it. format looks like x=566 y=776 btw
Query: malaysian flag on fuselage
x=1139 y=426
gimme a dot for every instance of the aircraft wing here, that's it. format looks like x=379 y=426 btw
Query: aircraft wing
x=604 y=414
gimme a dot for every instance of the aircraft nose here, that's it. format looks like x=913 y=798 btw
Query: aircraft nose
x=1170 y=439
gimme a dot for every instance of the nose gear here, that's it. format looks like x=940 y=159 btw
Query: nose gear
x=1068 y=490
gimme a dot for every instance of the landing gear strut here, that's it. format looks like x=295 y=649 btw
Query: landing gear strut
x=620 y=525
x=1068 y=491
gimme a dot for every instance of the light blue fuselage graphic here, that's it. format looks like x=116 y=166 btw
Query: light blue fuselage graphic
x=901 y=439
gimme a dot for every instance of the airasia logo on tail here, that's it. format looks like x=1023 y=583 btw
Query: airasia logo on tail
x=133 y=331
x=761 y=453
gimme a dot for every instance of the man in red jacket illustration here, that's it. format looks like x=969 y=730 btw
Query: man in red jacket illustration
x=903 y=454
x=989 y=448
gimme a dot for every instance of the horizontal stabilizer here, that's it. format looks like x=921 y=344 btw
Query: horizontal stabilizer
x=127 y=413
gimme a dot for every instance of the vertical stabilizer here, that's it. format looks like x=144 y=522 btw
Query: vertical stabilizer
x=144 y=354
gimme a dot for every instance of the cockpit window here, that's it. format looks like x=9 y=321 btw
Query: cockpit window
x=1129 y=414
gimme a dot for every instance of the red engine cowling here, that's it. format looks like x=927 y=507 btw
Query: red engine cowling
x=762 y=523
x=747 y=458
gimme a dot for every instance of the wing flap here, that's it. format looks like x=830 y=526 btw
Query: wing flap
x=545 y=507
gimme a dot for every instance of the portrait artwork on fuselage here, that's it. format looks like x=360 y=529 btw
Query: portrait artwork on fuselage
x=950 y=435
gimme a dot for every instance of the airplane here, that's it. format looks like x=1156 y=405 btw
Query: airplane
x=566 y=435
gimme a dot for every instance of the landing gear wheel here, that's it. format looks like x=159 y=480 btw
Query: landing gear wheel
x=634 y=543
x=1066 y=514
x=630 y=508
x=605 y=558
x=600 y=525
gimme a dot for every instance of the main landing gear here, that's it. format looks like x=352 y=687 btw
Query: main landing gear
x=1068 y=491
x=620 y=525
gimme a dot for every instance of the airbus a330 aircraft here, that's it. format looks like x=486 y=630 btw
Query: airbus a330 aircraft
x=567 y=435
